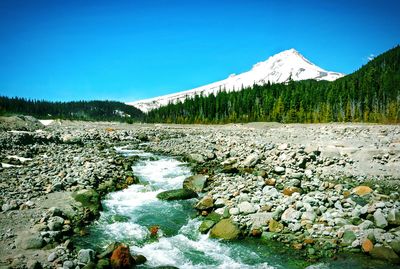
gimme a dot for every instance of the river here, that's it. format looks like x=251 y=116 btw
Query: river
x=128 y=215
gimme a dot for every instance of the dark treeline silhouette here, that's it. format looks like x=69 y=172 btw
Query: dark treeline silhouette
x=79 y=110
x=371 y=94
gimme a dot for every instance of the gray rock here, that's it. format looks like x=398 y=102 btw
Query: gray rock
x=260 y=219
x=68 y=265
x=394 y=217
x=86 y=256
x=246 y=208
x=55 y=223
x=52 y=257
x=251 y=160
x=290 y=215
x=198 y=158
x=219 y=203
x=234 y=211
x=279 y=170
x=379 y=219
x=270 y=191
x=195 y=183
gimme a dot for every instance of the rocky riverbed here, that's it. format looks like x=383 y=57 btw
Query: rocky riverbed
x=321 y=189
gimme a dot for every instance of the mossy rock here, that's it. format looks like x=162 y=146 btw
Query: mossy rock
x=225 y=229
x=205 y=226
x=178 y=194
x=89 y=198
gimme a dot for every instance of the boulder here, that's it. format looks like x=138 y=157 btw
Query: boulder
x=121 y=258
x=195 y=183
x=207 y=202
x=225 y=229
x=178 y=194
x=89 y=198
x=30 y=241
x=385 y=253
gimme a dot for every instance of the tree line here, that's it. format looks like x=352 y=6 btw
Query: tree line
x=371 y=94
x=77 y=110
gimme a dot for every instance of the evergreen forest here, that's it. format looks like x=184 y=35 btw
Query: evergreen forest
x=371 y=94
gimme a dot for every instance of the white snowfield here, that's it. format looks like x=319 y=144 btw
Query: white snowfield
x=280 y=68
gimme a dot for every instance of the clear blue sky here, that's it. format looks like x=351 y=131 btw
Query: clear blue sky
x=130 y=50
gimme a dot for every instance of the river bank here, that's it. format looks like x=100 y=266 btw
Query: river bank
x=319 y=188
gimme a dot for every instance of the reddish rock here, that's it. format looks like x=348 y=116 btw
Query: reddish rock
x=367 y=245
x=256 y=232
x=362 y=190
x=154 y=231
x=121 y=258
x=290 y=190
x=297 y=246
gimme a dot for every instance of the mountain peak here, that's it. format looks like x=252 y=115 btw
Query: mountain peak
x=279 y=68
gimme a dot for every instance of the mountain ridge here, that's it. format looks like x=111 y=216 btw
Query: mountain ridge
x=279 y=68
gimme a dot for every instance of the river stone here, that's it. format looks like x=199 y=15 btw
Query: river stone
x=251 y=160
x=395 y=245
x=225 y=229
x=198 y=158
x=206 y=225
x=385 y=253
x=348 y=237
x=55 y=223
x=205 y=203
x=279 y=170
x=362 y=190
x=260 y=220
x=30 y=241
x=195 y=183
x=103 y=264
x=379 y=219
x=290 y=215
x=246 y=208
x=52 y=257
x=367 y=245
x=234 y=211
x=178 y=194
x=89 y=198
x=86 y=256
x=275 y=226
x=394 y=217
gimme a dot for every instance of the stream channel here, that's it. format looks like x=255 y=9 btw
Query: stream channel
x=128 y=214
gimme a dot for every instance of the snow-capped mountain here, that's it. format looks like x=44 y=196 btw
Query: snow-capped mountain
x=280 y=68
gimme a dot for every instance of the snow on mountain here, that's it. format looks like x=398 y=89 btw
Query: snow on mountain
x=280 y=68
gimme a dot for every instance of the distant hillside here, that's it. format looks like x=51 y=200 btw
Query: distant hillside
x=80 y=110
x=371 y=94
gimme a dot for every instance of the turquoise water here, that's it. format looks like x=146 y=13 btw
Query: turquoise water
x=129 y=214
